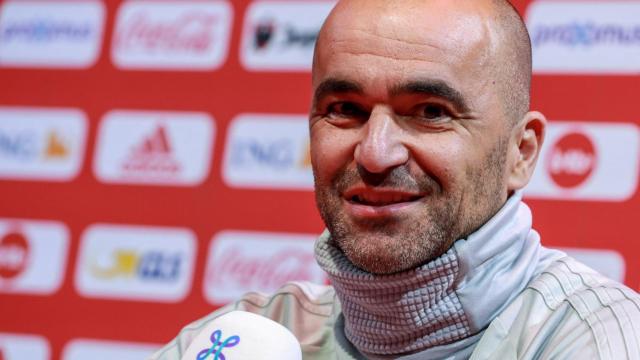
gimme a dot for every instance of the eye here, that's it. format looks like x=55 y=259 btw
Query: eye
x=346 y=109
x=433 y=112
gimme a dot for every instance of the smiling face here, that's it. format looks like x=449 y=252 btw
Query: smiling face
x=410 y=143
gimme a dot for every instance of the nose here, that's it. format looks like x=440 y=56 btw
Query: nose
x=381 y=147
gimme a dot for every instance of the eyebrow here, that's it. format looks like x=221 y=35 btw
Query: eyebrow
x=433 y=87
x=336 y=86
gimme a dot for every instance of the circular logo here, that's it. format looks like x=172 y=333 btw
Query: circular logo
x=14 y=254
x=571 y=160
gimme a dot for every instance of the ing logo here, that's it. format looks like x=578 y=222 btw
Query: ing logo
x=268 y=151
x=41 y=143
x=305 y=161
x=56 y=148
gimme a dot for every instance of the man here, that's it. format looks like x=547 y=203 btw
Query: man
x=421 y=140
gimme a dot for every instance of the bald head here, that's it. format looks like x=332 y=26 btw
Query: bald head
x=504 y=47
x=413 y=143
x=513 y=59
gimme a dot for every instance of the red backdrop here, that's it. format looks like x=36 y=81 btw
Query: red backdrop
x=173 y=119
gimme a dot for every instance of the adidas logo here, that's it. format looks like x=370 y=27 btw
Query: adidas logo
x=153 y=155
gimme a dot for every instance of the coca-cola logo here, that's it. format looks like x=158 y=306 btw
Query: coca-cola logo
x=571 y=160
x=190 y=32
x=269 y=271
x=14 y=254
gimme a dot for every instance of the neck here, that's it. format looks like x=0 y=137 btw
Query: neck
x=445 y=301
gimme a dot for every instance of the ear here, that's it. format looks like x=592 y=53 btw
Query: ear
x=526 y=142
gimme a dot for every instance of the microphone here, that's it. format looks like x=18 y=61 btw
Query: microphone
x=241 y=335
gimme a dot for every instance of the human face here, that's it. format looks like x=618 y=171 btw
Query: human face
x=408 y=136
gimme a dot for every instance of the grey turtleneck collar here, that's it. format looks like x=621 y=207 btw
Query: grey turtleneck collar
x=439 y=309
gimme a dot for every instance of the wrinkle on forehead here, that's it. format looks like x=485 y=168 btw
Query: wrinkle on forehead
x=408 y=30
x=359 y=42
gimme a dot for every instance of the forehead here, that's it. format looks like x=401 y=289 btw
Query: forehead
x=392 y=41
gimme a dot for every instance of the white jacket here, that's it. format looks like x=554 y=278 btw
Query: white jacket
x=522 y=300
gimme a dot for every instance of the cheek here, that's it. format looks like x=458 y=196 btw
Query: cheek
x=444 y=159
x=331 y=150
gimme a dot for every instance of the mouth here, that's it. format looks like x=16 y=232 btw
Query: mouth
x=367 y=203
x=382 y=198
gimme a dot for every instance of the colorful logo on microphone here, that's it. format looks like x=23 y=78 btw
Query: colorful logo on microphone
x=217 y=345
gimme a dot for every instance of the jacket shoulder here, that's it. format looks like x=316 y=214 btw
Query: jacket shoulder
x=569 y=311
x=568 y=280
x=608 y=311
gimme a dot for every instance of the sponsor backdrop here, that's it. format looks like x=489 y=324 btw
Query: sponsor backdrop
x=154 y=159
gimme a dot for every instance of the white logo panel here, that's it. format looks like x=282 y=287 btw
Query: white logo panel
x=587 y=161
x=268 y=151
x=607 y=262
x=136 y=262
x=50 y=34
x=184 y=35
x=281 y=35
x=33 y=256
x=23 y=347
x=82 y=349
x=162 y=148
x=239 y=262
x=585 y=36
x=41 y=143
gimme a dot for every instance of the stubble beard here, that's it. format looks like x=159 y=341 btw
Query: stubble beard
x=402 y=242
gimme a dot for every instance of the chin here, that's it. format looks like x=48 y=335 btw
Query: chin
x=381 y=254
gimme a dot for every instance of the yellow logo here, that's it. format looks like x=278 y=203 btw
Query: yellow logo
x=56 y=148
x=125 y=263
x=305 y=161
